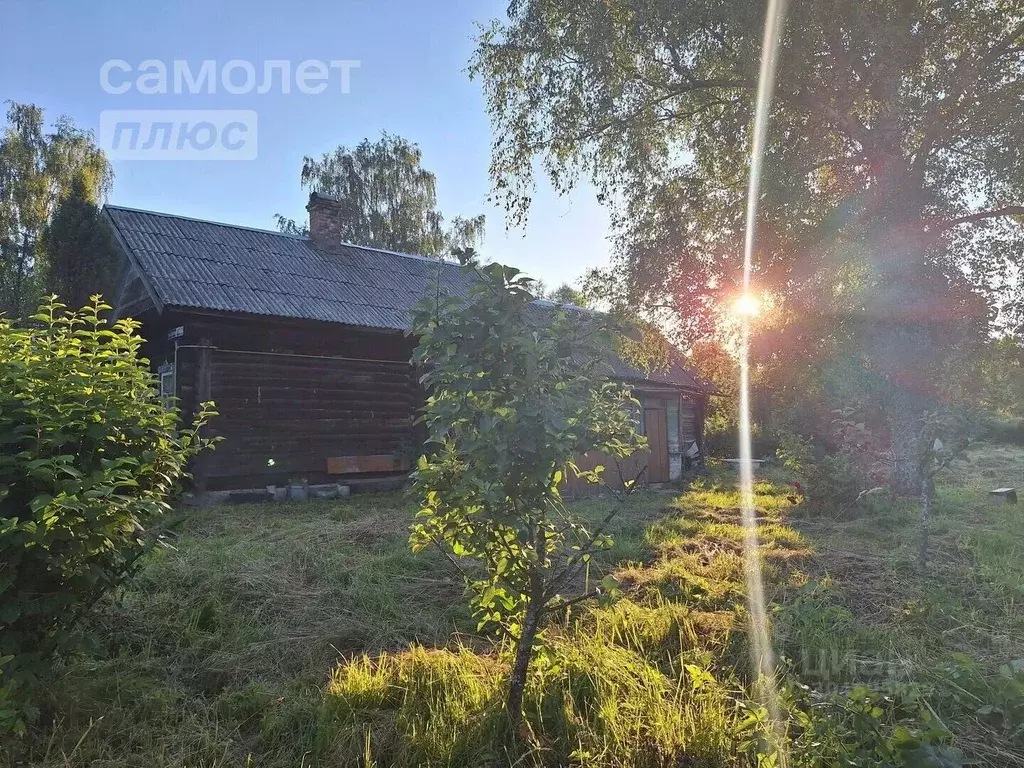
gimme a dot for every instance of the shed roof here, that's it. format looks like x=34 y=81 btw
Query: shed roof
x=195 y=264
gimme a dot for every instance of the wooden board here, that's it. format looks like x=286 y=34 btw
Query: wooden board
x=632 y=468
x=350 y=465
x=657 y=438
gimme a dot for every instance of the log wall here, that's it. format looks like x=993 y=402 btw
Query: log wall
x=631 y=468
x=299 y=393
x=291 y=395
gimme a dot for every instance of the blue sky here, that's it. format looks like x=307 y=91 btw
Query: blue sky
x=411 y=81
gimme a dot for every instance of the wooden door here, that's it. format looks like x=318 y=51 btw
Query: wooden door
x=657 y=440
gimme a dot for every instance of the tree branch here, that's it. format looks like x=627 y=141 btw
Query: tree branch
x=566 y=603
x=1009 y=210
x=936 y=119
x=576 y=561
x=671 y=92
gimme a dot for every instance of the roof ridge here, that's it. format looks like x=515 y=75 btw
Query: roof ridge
x=418 y=257
x=207 y=221
x=305 y=238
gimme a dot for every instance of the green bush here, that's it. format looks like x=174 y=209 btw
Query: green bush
x=516 y=396
x=829 y=479
x=89 y=457
x=723 y=441
x=1003 y=429
x=893 y=727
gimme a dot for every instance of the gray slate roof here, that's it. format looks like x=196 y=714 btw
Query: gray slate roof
x=205 y=265
x=196 y=264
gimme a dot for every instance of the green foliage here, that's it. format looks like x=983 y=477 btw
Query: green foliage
x=563 y=294
x=713 y=363
x=889 y=216
x=1000 y=372
x=80 y=257
x=996 y=696
x=868 y=728
x=89 y=460
x=386 y=199
x=817 y=637
x=655 y=107
x=37 y=170
x=828 y=480
x=1004 y=430
x=516 y=394
x=722 y=438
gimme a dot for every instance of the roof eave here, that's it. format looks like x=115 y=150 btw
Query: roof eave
x=130 y=255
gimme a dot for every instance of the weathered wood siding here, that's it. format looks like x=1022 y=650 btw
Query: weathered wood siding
x=294 y=393
x=689 y=426
x=302 y=411
x=683 y=419
x=300 y=393
x=632 y=468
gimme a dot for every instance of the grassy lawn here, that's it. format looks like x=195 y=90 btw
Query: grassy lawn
x=300 y=635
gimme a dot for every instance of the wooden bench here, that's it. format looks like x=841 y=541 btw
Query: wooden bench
x=355 y=465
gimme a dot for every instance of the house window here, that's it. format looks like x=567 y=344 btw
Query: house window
x=167 y=393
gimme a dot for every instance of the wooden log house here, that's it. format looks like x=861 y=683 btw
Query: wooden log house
x=301 y=342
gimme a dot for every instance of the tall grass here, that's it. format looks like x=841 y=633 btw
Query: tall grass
x=589 y=702
x=308 y=636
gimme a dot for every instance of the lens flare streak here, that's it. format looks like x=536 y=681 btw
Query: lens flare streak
x=761 y=649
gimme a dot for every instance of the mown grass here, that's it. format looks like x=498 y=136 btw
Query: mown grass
x=247 y=614
x=304 y=635
x=957 y=633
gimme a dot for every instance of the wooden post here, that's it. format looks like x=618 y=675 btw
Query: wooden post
x=204 y=392
x=700 y=412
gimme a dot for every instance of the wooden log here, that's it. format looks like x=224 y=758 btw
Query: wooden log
x=312 y=391
x=301 y=373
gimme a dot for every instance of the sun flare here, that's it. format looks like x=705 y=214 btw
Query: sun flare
x=747 y=305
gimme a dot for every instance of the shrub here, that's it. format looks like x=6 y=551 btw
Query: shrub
x=89 y=457
x=723 y=440
x=893 y=727
x=832 y=479
x=1008 y=430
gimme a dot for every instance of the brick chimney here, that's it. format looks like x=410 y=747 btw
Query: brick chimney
x=324 y=221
